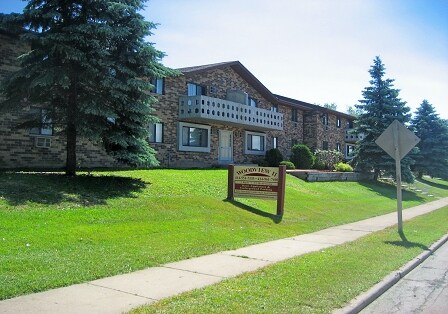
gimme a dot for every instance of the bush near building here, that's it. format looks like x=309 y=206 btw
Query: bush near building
x=302 y=157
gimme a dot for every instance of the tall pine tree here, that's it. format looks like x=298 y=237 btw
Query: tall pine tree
x=90 y=67
x=432 y=158
x=379 y=108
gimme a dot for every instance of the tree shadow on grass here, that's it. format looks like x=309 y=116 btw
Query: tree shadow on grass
x=434 y=184
x=406 y=243
x=275 y=218
x=52 y=188
x=390 y=191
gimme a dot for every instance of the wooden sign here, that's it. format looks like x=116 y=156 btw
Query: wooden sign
x=257 y=182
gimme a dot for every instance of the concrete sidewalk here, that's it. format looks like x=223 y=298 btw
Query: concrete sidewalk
x=123 y=292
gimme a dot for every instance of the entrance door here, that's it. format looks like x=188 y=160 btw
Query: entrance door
x=225 y=147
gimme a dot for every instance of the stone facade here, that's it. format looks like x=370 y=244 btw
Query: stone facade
x=301 y=123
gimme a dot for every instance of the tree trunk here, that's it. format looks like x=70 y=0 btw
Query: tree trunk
x=420 y=175
x=70 y=165
x=376 y=175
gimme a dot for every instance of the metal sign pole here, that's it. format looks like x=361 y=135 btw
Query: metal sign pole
x=403 y=141
x=398 y=173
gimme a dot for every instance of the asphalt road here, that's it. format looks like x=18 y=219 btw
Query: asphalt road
x=423 y=290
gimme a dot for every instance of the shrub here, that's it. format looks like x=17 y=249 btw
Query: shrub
x=288 y=164
x=260 y=162
x=302 y=157
x=328 y=158
x=273 y=157
x=318 y=165
x=343 y=167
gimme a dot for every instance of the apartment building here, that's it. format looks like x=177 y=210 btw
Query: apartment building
x=209 y=115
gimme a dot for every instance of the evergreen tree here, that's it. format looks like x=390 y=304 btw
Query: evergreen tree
x=379 y=108
x=90 y=67
x=432 y=158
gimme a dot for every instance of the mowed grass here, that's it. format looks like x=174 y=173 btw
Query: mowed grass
x=56 y=231
x=314 y=283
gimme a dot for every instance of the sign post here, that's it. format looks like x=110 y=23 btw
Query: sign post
x=257 y=182
x=397 y=141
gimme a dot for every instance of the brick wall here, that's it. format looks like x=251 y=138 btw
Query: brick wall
x=17 y=146
x=315 y=132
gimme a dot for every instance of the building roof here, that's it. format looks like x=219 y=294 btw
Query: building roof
x=239 y=68
x=311 y=107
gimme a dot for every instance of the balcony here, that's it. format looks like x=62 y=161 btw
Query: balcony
x=215 y=110
x=352 y=137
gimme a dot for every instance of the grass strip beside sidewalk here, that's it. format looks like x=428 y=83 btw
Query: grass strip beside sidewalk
x=317 y=282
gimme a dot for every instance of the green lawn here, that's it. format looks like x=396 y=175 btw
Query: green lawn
x=313 y=283
x=56 y=231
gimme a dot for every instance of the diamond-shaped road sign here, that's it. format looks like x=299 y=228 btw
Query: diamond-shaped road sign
x=405 y=140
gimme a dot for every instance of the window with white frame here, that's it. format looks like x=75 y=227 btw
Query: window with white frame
x=194 y=137
x=349 y=151
x=45 y=128
x=274 y=108
x=252 y=102
x=255 y=143
x=159 y=86
x=194 y=89
x=275 y=142
x=338 y=147
x=155 y=134
x=338 y=122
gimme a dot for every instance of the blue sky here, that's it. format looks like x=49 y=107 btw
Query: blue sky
x=318 y=51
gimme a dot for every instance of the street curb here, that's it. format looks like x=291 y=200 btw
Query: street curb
x=361 y=301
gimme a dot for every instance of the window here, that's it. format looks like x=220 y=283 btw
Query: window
x=325 y=119
x=349 y=124
x=338 y=147
x=194 y=137
x=45 y=128
x=252 y=102
x=294 y=115
x=294 y=142
x=195 y=89
x=43 y=142
x=349 y=150
x=155 y=133
x=255 y=143
x=338 y=122
x=325 y=145
x=275 y=142
x=274 y=108
x=159 y=86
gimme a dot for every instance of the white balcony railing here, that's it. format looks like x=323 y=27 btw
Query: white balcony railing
x=209 y=109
